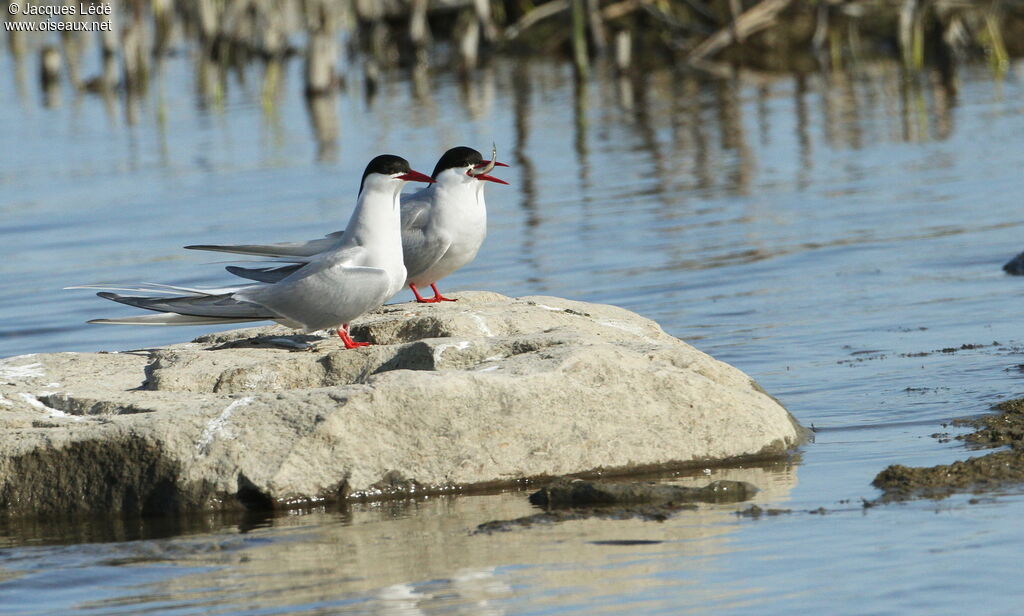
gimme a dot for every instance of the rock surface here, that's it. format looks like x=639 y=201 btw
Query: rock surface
x=487 y=390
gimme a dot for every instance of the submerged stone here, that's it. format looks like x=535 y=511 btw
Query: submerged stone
x=566 y=499
x=1015 y=266
x=485 y=391
x=578 y=493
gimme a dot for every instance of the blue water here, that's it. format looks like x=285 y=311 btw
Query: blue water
x=826 y=234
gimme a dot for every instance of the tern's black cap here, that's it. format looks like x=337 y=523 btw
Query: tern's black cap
x=385 y=164
x=457 y=157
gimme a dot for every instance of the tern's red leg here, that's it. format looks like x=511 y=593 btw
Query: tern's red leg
x=437 y=295
x=419 y=298
x=349 y=342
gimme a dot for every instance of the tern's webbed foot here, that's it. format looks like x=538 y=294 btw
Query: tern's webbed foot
x=438 y=297
x=349 y=342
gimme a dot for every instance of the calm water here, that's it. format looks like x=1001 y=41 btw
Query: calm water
x=820 y=233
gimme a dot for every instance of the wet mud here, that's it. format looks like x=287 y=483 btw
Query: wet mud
x=755 y=512
x=574 y=499
x=857 y=357
x=1003 y=429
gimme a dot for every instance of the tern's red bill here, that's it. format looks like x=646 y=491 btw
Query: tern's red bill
x=416 y=176
x=490 y=178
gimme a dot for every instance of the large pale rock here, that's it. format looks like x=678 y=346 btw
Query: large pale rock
x=487 y=390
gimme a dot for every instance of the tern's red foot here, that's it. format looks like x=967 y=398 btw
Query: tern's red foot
x=438 y=297
x=420 y=299
x=349 y=342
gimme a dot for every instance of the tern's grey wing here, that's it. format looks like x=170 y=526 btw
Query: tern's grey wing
x=354 y=255
x=162 y=289
x=324 y=297
x=421 y=249
x=283 y=249
x=170 y=318
x=265 y=274
x=224 y=306
x=415 y=211
x=422 y=246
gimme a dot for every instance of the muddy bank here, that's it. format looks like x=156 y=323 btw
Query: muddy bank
x=978 y=474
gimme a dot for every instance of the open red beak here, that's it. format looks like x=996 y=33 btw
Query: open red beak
x=488 y=165
x=416 y=176
x=490 y=178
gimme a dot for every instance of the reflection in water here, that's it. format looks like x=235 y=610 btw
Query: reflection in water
x=803 y=135
x=420 y=81
x=579 y=107
x=694 y=138
x=764 y=94
x=624 y=90
x=405 y=557
x=323 y=114
x=74 y=47
x=944 y=97
x=477 y=91
x=49 y=75
x=848 y=95
x=644 y=120
x=521 y=107
x=733 y=136
x=210 y=82
x=425 y=555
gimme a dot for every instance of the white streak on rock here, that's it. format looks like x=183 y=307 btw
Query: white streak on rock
x=218 y=427
x=260 y=378
x=482 y=325
x=36 y=403
x=489 y=369
x=441 y=348
x=628 y=327
x=549 y=308
x=25 y=371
